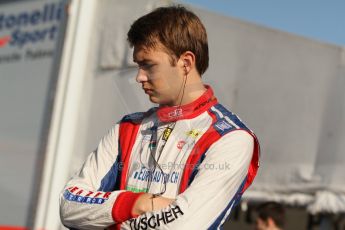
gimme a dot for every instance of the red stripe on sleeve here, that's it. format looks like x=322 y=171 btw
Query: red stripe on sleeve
x=128 y=135
x=12 y=228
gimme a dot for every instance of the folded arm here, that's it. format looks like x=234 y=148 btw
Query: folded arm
x=88 y=200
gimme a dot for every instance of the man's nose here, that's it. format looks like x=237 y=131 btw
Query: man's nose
x=141 y=76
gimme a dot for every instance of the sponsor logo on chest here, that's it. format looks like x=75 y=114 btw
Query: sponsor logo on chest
x=156 y=176
x=194 y=133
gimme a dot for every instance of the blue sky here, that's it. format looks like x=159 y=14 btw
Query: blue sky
x=322 y=20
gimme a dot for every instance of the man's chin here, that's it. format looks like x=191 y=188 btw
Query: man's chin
x=157 y=100
x=154 y=99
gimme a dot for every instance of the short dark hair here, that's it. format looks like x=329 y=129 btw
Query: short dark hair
x=272 y=210
x=177 y=29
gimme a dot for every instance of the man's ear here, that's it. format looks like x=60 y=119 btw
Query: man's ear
x=188 y=61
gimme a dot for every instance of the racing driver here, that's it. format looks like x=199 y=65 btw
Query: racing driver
x=181 y=165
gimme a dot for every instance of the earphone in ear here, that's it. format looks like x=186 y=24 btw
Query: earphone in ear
x=185 y=68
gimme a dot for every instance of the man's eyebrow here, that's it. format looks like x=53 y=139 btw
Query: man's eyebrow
x=141 y=62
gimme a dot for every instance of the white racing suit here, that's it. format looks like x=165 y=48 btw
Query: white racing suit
x=207 y=162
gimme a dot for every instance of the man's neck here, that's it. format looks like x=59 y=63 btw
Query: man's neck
x=192 y=92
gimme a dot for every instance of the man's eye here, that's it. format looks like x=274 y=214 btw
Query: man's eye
x=146 y=66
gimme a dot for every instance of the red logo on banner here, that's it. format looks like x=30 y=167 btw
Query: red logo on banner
x=4 y=40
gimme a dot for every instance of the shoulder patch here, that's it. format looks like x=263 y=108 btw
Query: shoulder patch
x=226 y=121
x=223 y=126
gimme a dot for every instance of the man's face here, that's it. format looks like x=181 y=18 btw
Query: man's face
x=161 y=80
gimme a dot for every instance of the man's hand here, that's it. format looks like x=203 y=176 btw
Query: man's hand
x=144 y=203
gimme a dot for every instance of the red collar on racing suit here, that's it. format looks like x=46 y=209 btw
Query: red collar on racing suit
x=188 y=111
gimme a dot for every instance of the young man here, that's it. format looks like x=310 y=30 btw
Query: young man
x=270 y=216
x=181 y=165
